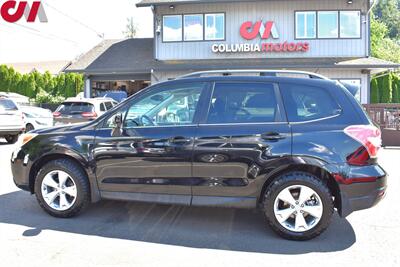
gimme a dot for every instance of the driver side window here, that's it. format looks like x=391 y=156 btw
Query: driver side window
x=169 y=107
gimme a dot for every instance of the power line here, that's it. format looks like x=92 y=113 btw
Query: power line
x=100 y=35
x=43 y=35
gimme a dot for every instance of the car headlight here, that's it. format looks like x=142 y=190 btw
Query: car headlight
x=27 y=137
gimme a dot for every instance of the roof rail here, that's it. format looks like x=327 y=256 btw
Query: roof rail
x=200 y=74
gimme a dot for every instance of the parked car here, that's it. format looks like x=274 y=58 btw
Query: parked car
x=296 y=148
x=11 y=120
x=118 y=96
x=37 y=118
x=75 y=110
x=17 y=98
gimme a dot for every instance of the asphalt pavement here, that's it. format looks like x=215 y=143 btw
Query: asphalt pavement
x=112 y=233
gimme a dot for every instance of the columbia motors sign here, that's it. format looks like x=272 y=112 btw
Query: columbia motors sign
x=14 y=11
x=263 y=30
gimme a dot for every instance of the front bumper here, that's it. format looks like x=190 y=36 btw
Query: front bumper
x=364 y=191
x=20 y=168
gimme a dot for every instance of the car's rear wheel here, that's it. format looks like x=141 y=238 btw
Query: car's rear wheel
x=298 y=206
x=11 y=139
x=62 y=188
x=29 y=127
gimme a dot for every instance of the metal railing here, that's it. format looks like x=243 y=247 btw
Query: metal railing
x=385 y=115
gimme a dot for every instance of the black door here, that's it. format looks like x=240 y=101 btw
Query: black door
x=244 y=136
x=151 y=152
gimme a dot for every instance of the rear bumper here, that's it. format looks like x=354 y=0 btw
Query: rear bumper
x=364 y=191
x=14 y=131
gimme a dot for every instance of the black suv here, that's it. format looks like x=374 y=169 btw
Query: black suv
x=297 y=148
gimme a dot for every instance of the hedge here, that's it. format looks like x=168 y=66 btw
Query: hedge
x=42 y=88
x=385 y=89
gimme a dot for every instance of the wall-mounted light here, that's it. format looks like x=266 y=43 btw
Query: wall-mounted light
x=171 y=7
x=349 y=2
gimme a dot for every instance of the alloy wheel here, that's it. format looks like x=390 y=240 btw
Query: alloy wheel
x=298 y=208
x=59 y=190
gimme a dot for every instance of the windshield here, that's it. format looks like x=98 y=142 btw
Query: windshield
x=7 y=104
x=69 y=108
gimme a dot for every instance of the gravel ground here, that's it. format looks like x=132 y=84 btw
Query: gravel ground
x=112 y=233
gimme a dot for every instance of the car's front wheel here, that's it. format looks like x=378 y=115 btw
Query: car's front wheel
x=298 y=206
x=62 y=188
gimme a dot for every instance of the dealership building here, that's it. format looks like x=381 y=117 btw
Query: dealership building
x=329 y=37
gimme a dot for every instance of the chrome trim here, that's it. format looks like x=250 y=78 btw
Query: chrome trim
x=259 y=71
x=242 y=123
x=316 y=120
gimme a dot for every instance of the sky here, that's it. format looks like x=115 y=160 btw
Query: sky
x=73 y=28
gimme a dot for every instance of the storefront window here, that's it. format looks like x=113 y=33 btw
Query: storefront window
x=215 y=26
x=193 y=27
x=350 y=24
x=328 y=24
x=305 y=25
x=172 y=28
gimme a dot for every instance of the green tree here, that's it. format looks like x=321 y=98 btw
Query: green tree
x=388 y=12
x=386 y=88
x=396 y=89
x=381 y=45
x=374 y=91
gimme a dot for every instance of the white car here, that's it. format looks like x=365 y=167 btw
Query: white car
x=11 y=120
x=37 y=118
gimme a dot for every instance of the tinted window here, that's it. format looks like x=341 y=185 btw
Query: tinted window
x=243 y=103
x=164 y=107
x=102 y=107
x=304 y=103
x=109 y=105
x=75 y=108
x=7 y=104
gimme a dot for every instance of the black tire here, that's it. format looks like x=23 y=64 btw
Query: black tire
x=80 y=179
x=11 y=139
x=29 y=127
x=298 y=178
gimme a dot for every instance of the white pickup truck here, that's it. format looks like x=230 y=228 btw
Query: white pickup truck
x=11 y=120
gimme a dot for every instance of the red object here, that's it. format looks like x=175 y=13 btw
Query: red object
x=12 y=13
x=340 y=179
x=371 y=140
x=89 y=114
x=56 y=114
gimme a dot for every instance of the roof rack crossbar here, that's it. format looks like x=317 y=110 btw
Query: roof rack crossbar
x=200 y=74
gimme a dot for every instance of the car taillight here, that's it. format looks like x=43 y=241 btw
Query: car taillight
x=369 y=137
x=89 y=114
x=56 y=114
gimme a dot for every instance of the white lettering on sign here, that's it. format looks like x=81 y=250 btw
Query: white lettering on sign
x=263 y=47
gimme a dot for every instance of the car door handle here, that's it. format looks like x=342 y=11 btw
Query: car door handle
x=179 y=140
x=272 y=136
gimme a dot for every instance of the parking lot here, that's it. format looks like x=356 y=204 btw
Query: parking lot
x=114 y=233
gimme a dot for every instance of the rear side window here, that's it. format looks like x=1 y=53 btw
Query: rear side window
x=305 y=103
x=109 y=105
x=7 y=104
x=102 y=107
x=243 y=103
x=70 y=108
